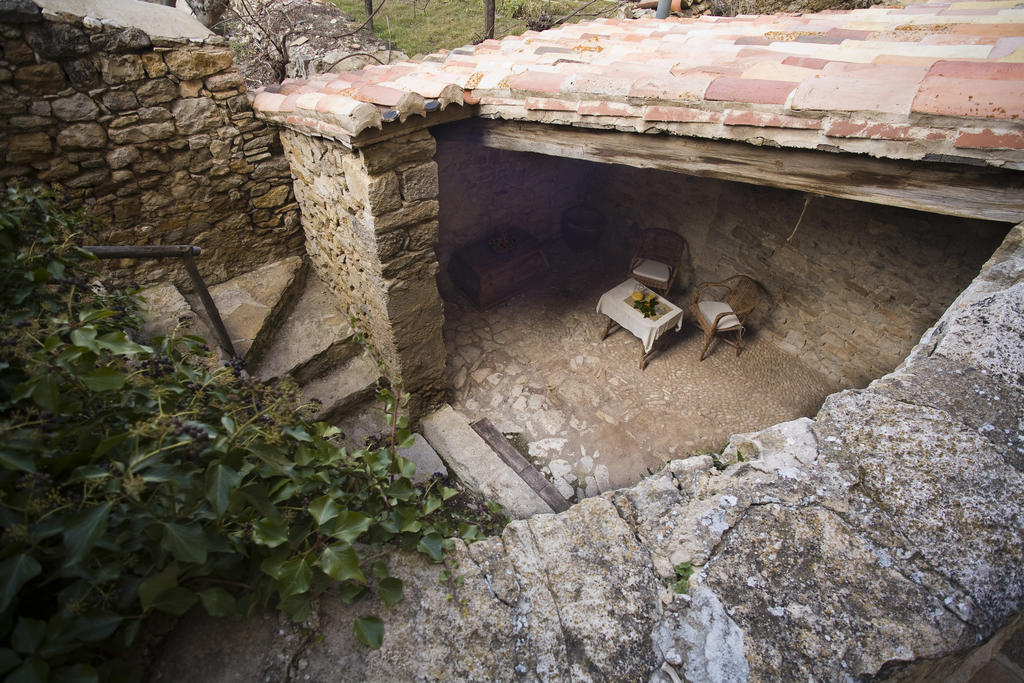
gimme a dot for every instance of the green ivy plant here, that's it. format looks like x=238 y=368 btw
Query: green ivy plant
x=138 y=479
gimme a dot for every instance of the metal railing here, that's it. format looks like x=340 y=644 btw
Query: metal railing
x=186 y=253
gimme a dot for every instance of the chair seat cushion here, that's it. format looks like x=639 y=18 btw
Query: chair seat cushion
x=710 y=311
x=652 y=270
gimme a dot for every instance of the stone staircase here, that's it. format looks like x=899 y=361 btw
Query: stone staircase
x=282 y=320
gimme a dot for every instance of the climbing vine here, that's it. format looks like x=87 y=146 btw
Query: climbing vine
x=138 y=479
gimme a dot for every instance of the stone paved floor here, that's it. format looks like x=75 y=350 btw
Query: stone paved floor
x=588 y=417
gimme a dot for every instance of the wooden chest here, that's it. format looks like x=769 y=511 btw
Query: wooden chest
x=497 y=267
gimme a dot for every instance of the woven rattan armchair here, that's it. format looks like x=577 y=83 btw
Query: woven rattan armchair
x=657 y=259
x=722 y=309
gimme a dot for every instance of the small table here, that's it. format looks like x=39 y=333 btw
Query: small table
x=613 y=304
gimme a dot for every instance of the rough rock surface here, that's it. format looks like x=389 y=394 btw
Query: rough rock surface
x=879 y=539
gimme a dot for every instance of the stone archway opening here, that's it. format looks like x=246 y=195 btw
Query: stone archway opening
x=851 y=292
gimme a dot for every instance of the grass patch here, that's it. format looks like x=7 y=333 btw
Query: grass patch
x=425 y=26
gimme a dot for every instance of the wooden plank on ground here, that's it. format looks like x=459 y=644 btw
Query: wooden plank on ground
x=519 y=464
x=955 y=189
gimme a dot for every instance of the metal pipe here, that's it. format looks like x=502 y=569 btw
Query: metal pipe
x=151 y=251
x=209 y=305
x=664 y=7
x=187 y=253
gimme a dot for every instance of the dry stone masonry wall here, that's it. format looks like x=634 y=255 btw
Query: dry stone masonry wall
x=154 y=135
x=370 y=220
x=483 y=189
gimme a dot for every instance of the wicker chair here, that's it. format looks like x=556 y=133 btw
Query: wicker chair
x=657 y=259
x=727 y=313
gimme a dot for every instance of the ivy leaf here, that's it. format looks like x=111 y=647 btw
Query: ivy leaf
x=92 y=628
x=109 y=443
x=175 y=602
x=400 y=488
x=28 y=635
x=369 y=630
x=103 y=379
x=470 y=533
x=32 y=670
x=8 y=660
x=431 y=545
x=14 y=573
x=270 y=532
x=405 y=438
x=341 y=564
x=406 y=467
x=13 y=460
x=221 y=480
x=447 y=493
x=349 y=526
x=119 y=343
x=390 y=590
x=324 y=509
x=81 y=534
x=218 y=602
x=406 y=519
x=86 y=338
x=78 y=673
x=348 y=592
x=296 y=606
x=295 y=577
x=46 y=393
x=158 y=584
x=297 y=433
x=431 y=504
x=186 y=543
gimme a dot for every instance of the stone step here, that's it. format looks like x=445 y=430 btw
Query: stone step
x=165 y=308
x=478 y=466
x=343 y=389
x=315 y=337
x=254 y=305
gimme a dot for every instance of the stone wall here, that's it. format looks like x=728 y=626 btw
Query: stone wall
x=154 y=135
x=370 y=219
x=483 y=189
x=851 y=290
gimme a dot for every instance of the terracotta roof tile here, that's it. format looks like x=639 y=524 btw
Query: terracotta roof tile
x=841 y=79
x=988 y=139
x=974 y=98
x=753 y=90
x=766 y=120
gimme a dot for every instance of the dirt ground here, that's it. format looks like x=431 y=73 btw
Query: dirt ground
x=581 y=408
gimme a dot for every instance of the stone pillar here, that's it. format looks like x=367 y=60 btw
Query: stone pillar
x=370 y=219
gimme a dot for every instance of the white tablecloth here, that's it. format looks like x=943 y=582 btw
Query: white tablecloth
x=613 y=305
